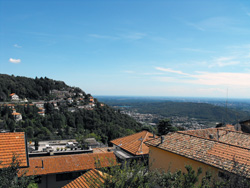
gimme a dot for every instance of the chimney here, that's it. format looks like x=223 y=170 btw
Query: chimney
x=162 y=139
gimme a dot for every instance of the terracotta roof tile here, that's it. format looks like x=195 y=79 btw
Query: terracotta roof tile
x=15 y=113
x=91 y=179
x=69 y=163
x=134 y=143
x=12 y=144
x=226 y=149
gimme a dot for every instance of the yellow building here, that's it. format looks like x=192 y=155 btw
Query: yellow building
x=218 y=150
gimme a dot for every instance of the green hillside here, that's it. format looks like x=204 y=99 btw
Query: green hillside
x=63 y=118
x=167 y=108
x=38 y=88
x=201 y=111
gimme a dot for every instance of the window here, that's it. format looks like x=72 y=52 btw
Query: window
x=223 y=175
x=38 y=179
x=67 y=176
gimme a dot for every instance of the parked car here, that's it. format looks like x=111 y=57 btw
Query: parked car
x=70 y=145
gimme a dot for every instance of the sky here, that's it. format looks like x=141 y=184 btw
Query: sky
x=180 y=48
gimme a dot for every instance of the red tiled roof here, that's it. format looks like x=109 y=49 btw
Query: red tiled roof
x=134 y=143
x=223 y=135
x=12 y=144
x=91 y=179
x=15 y=113
x=69 y=163
x=10 y=105
x=226 y=149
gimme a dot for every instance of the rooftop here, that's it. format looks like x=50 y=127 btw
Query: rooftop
x=224 y=149
x=134 y=143
x=13 y=144
x=69 y=163
x=90 y=179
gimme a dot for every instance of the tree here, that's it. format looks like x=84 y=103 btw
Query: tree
x=164 y=127
x=136 y=174
x=10 y=177
x=129 y=175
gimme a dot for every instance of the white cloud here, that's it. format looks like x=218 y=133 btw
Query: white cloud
x=224 y=61
x=17 y=46
x=218 y=24
x=15 y=60
x=134 y=35
x=222 y=78
x=211 y=90
x=102 y=36
x=195 y=26
x=208 y=78
x=197 y=50
x=144 y=73
x=171 y=70
x=129 y=71
x=152 y=73
x=126 y=36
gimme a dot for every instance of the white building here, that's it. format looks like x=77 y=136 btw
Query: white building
x=14 y=97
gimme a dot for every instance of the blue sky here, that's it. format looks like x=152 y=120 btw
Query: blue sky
x=137 y=48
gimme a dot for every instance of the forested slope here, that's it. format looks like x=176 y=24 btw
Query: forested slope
x=38 y=88
x=87 y=118
x=168 y=108
x=193 y=110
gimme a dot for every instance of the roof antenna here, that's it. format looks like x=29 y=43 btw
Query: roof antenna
x=226 y=102
x=224 y=119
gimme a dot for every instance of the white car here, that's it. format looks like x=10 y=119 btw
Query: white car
x=70 y=145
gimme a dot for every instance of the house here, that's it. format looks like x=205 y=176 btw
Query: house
x=132 y=146
x=71 y=109
x=91 y=99
x=91 y=179
x=244 y=126
x=39 y=104
x=70 y=100
x=10 y=105
x=41 y=113
x=17 y=116
x=13 y=144
x=14 y=97
x=50 y=171
x=57 y=171
x=91 y=142
x=219 y=150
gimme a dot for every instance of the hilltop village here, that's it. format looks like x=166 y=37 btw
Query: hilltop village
x=74 y=101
